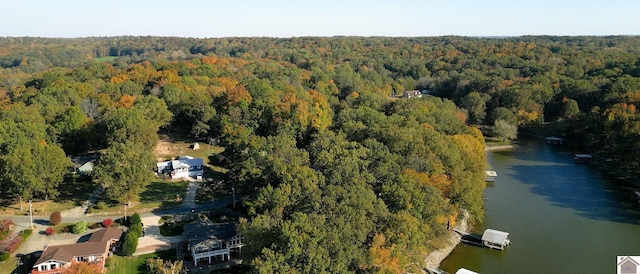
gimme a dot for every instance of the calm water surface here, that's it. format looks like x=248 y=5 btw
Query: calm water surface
x=562 y=217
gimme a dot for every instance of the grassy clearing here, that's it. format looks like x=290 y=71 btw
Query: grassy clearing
x=170 y=147
x=73 y=191
x=157 y=194
x=163 y=194
x=136 y=264
x=39 y=208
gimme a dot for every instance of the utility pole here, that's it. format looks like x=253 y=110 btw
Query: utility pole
x=125 y=213
x=233 y=190
x=30 y=214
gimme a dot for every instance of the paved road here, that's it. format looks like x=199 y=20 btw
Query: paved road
x=151 y=242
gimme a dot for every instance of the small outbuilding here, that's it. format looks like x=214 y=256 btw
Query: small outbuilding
x=495 y=239
x=195 y=146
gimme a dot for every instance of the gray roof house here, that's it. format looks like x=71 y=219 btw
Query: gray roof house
x=183 y=167
x=83 y=164
x=208 y=240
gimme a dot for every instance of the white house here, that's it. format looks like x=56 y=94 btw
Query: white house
x=83 y=164
x=183 y=167
x=412 y=94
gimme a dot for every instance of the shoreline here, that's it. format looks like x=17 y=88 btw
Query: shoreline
x=436 y=257
x=502 y=147
x=432 y=262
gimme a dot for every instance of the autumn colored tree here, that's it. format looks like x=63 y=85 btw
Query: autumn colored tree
x=55 y=218
x=82 y=268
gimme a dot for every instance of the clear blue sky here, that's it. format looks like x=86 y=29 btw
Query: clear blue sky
x=287 y=18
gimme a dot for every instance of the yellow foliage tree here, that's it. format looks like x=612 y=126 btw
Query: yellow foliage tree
x=382 y=257
x=126 y=101
x=321 y=113
x=238 y=94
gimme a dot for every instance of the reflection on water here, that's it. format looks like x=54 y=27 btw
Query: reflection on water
x=562 y=217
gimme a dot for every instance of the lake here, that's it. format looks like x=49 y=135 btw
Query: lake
x=562 y=217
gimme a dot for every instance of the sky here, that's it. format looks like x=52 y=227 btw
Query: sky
x=287 y=18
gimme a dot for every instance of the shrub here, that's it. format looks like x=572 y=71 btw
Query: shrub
x=5 y=228
x=135 y=229
x=130 y=244
x=4 y=256
x=101 y=205
x=65 y=229
x=50 y=231
x=12 y=245
x=135 y=225
x=80 y=227
x=107 y=222
x=5 y=225
x=135 y=219
x=55 y=218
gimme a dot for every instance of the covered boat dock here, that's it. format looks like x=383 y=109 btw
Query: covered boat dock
x=495 y=239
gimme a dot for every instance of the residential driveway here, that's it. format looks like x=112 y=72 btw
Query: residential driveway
x=152 y=241
x=38 y=240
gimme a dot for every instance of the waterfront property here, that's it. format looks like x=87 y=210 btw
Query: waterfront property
x=56 y=259
x=207 y=240
x=183 y=167
x=490 y=176
x=495 y=239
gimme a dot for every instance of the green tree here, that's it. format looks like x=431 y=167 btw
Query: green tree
x=70 y=127
x=30 y=165
x=135 y=224
x=131 y=125
x=476 y=104
x=505 y=130
x=124 y=170
x=80 y=227
x=570 y=109
x=130 y=244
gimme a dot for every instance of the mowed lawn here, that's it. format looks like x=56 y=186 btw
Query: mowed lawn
x=172 y=147
x=135 y=264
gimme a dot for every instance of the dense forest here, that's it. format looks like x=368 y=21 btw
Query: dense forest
x=341 y=175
